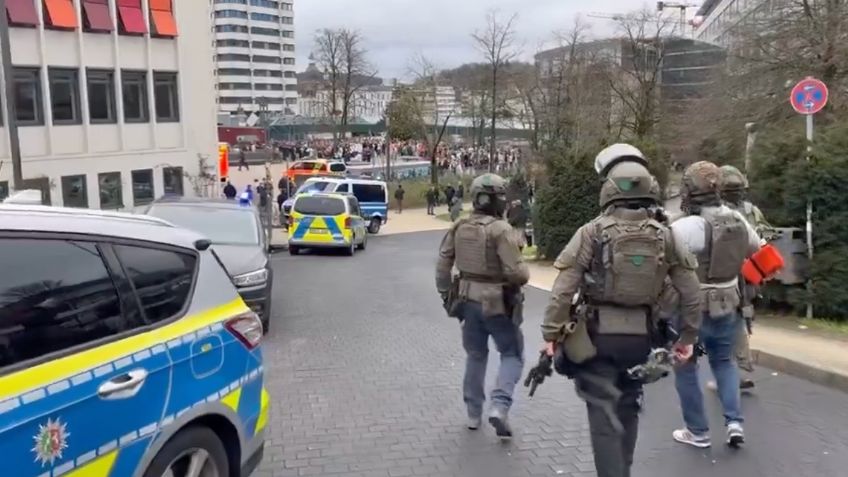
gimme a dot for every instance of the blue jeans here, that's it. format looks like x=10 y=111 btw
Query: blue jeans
x=718 y=336
x=509 y=341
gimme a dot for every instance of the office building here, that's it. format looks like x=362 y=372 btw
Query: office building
x=255 y=56
x=114 y=100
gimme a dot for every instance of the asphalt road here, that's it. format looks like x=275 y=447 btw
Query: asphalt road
x=365 y=372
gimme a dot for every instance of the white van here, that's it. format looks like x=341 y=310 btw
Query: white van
x=373 y=196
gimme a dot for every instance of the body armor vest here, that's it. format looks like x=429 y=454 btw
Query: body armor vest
x=725 y=248
x=628 y=264
x=476 y=253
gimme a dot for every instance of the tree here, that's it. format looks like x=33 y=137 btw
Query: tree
x=341 y=56
x=567 y=199
x=426 y=80
x=404 y=116
x=497 y=44
x=635 y=70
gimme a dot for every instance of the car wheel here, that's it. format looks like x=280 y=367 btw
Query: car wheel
x=293 y=250
x=374 y=226
x=194 y=451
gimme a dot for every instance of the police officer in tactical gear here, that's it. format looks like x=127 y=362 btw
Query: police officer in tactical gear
x=613 y=155
x=489 y=298
x=618 y=262
x=734 y=190
x=721 y=239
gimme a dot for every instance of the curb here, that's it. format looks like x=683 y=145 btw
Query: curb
x=807 y=372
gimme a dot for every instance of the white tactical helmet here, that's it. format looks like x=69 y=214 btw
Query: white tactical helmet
x=616 y=153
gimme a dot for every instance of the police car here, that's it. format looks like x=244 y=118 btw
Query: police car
x=327 y=220
x=125 y=350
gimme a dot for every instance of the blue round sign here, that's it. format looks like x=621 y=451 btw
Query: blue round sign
x=809 y=96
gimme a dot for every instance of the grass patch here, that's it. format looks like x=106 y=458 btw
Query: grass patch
x=826 y=325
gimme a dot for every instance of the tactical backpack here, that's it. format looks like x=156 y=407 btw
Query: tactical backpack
x=475 y=255
x=628 y=264
x=727 y=234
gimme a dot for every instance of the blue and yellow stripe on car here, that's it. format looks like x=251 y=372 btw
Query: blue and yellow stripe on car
x=320 y=229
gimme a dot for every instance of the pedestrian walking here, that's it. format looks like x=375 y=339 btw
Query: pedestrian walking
x=455 y=209
x=230 y=191
x=242 y=160
x=721 y=239
x=619 y=262
x=449 y=193
x=399 y=193
x=487 y=298
x=431 y=200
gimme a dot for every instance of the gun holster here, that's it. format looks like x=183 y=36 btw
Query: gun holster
x=514 y=304
x=575 y=349
x=453 y=302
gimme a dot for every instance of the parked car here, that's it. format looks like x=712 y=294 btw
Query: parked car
x=373 y=196
x=238 y=240
x=125 y=350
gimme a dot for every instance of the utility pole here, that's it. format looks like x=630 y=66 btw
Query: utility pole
x=9 y=99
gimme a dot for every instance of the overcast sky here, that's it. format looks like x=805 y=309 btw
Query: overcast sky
x=396 y=29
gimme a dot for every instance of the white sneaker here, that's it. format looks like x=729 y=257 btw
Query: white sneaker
x=685 y=436
x=735 y=434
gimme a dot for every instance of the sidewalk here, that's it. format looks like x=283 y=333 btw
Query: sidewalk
x=802 y=353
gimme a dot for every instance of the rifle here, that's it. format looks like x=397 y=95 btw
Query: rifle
x=537 y=374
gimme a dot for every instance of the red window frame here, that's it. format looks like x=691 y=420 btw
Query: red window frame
x=60 y=14
x=162 y=21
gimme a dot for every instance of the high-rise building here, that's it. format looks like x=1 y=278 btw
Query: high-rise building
x=255 y=56
x=113 y=101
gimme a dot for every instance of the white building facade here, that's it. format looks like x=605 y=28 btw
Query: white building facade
x=255 y=55
x=114 y=100
x=368 y=103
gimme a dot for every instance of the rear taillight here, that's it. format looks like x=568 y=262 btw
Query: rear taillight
x=347 y=223
x=247 y=328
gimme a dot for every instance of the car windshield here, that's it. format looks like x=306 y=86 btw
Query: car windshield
x=311 y=205
x=223 y=226
x=316 y=186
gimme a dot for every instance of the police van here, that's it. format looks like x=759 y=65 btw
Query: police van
x=373 y=197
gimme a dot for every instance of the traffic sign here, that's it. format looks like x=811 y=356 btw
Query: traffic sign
x=809 y=96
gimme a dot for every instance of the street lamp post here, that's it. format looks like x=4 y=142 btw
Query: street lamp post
x=9 y=100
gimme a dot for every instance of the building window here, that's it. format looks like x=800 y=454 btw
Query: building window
x=28 y=97
x=264 y=3
x=134 y=85
x=96 y=17
x=231 y=14
x=60 y=14
x=4 y=189
x=291 y=87
x=288 y=47
x=166 y=97
x=231 y=29
x=237 y=43
x=64 y=96
x=266 y=59
x=233 y=57
x=287 y=20
x=101 y=96
x=162 y=22
x=264 y=17
x=290 y=74
x=234 y=71
x=131 y=17
x=111 y=191
x=287 y=34
x=238 y=2
x=21 y=13
x=288 y=61
x=227 y=86
x=74 y=191
x=142 y=186
x=172 y=177
x=265 y=31
x=287 y=6
x=291 y=101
